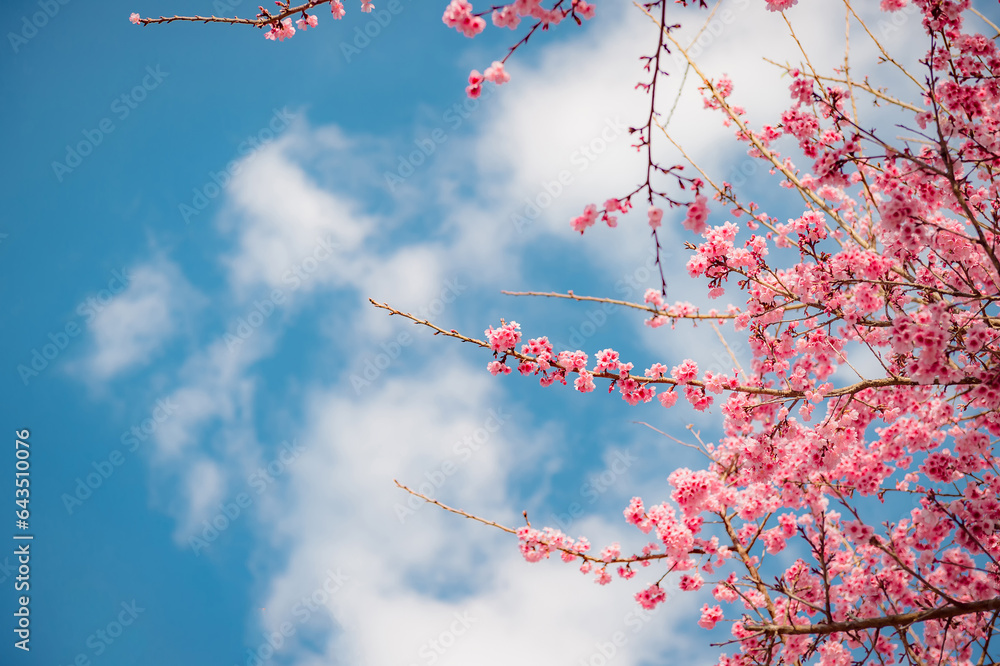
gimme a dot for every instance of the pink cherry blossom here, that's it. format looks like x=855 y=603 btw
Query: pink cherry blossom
x=710 y=616
x=458 y=15
x=611 y=552
x=281 y=31
x=584 y=383
x=496 y=73
x=655 y=217
x=668 y=399
x=504 y=338
x=685 y=372
x=475 y=87
x=588 y=219
x=691 y=583
x=780 y=5
x=651 y=597
x=307 y=22
x=498 y=368
x=506 y=18
x=696 y=215
x=583 y=9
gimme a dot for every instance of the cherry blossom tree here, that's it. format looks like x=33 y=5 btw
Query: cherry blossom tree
x=894 y=255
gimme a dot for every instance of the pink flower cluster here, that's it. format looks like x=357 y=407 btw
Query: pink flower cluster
x=537 y=545
x=611 y=206
x=780 y=5
x=510 y=15
x=280 y=31
x=655 y=217
x=495 y=73
x=710 y=616
x=458 y=15
x=651 y=597
x=504 y=339
x=697 y=213
x=307 y=21
x=892 y=258
x=587 y=219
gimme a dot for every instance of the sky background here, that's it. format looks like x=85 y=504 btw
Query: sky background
x=193 y=221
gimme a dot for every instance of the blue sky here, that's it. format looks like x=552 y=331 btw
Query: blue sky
x=200 y=279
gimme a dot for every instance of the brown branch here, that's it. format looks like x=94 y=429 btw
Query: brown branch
x=510 y=530
x=865 y=86
x=614 y=301
x=259 y=22
x=727 y=108
x=790 y=394
x=940 y=613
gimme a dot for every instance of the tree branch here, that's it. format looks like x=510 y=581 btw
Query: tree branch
x=940 y=613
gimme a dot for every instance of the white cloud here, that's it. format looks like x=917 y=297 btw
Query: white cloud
x=413 y=569
x=204 y=488
x=291 y=233
x=294 y=235
x=132 y=328
x=214 y=384
x=213 y=423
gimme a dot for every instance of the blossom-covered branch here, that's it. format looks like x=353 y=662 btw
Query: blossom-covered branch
x=837 y=520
